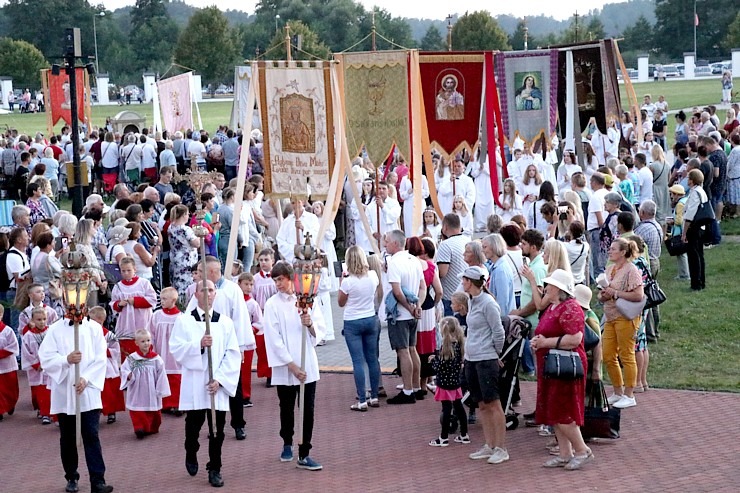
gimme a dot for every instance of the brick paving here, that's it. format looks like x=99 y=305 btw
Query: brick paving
x=673 y=441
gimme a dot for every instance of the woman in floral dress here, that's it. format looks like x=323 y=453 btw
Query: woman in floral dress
x=38 y=213
x=183 y=249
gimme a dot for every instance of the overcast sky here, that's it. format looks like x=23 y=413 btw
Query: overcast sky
x=433 y=9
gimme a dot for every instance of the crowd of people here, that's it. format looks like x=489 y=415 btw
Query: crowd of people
x=562 y=223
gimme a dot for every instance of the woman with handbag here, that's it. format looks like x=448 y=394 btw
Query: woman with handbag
x=624 y=300
x=697 y=207
x=46 y=270
x=560 y=396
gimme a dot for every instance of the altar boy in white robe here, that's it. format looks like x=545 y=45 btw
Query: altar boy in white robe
x=283 y=324
x=464 y=187
x=390 y=212
x=58 y=358
x=188 y=344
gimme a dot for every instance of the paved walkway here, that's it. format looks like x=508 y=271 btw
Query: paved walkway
x=674 y=441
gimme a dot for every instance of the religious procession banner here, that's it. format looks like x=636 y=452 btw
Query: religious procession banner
x=376 y=95
x=239 y=110
x=59 y=95
x=595 y=78
x=298 y=130
x=528 y=86
x=175 y=99
x=452 y=84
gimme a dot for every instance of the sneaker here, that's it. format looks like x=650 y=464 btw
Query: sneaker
x=373 y=402
x=360 y=406
x=462 y=439
x=431 y=388
x=402 y=398
x=498 y=456
x=45 y=420
x=399 y=386
x=111 y=419
x=556 y=462
x=545 y=431
x=579 y=460
x=625 y=402
x=248 y=403
x=287 y=454
x=309 y=464
x=484 y=453
x=613 y=399
x=439 y=442
x=419 y=394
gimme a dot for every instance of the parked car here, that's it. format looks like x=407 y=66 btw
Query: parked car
x=681 y=68
x=703 y=71
x=718 y=68
x=671 y=71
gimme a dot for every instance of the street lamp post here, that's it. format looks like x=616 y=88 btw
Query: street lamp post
x=277 y=18
x=95 y=37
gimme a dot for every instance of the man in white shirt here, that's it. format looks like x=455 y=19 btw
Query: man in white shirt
x=463 y=186
x=645 y=176
x=594 y=221
x=57 y=356
x=188 y=345
x=230 y=302
x=305 y=221
x=17 y=268
x=648 y=106
x=407 y=281
x=148 y=158
x=283 y=325
x=131 y=155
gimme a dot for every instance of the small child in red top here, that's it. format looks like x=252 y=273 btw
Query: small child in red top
x=161 y=327
x=145 y=381
x=32 y=336
x=8 y=369
x=133 y=298
x=246 y=283
x=36 y=295
x=112 y=396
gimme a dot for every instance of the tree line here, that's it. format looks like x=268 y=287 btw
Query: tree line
x=152 y=35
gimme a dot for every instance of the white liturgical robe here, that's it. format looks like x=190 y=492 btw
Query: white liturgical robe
x=464 y=186
x=185 y=347
x=53 y=352
x=286 y=237
x=230 y=302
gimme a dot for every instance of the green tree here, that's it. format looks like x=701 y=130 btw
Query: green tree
x=583 y=28
x=478 y=31
x=595 y=29
x=210 y=46
x=310 y=44
x=395 y=30
x=433 y=40
x=638 y=36
x=732 y=40
x=22 y=61
x=516 y=40
x=151 y=35
x=674 y=26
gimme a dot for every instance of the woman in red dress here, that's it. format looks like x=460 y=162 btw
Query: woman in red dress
x=560 y=403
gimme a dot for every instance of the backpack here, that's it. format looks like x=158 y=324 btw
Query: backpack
x=605 y=233
x=9 y=161
x=4 y=279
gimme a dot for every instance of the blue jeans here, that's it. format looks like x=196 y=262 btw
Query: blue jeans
x=361 y=337
x=447 y=305
x=230 y=172
x=91 y=442
x=247 y=254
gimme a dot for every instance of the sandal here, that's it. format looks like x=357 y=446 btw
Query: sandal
x=362 y=407
x=439 y=442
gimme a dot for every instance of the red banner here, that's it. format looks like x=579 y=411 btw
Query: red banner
x=452 y=83
x=60 y=97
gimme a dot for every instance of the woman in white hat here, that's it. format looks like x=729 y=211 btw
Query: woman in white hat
x=117 y=236
x=560 y=403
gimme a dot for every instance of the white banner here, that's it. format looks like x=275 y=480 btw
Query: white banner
x=175 y=100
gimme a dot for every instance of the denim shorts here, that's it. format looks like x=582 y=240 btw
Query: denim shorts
x=402 y=334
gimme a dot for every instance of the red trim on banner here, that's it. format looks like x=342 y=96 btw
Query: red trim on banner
x=493 y=110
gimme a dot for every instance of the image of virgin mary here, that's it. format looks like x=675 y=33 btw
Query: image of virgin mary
x=529 y=96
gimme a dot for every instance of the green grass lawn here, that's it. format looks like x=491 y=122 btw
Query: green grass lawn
x=679 y=94
x=700 y=332
x=212 y=114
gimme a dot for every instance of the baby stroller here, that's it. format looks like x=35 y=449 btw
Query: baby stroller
x=517 y=330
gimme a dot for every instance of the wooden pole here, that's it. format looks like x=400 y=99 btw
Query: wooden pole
x=207 y=310
x=377 y=208
x=287 y=42
x=302 y=387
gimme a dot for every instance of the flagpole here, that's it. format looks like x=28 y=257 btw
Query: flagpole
x=696 y=57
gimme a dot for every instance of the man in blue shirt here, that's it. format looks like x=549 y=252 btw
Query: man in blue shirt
x=500 y=275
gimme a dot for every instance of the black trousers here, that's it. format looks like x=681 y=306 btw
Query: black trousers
x=459 y=412
x=236 y=407
x=91 y=442
x=287 y=395
x=193 y=423
x=695 y=254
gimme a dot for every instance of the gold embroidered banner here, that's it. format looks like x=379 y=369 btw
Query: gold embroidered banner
x=376 y=94
x=297 y=125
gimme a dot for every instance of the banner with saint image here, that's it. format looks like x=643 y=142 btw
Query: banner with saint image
x=452 y=84
x=60 y=96
x=175 y=99
x=528 y=86
x=376 y=96
x=297 y=125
